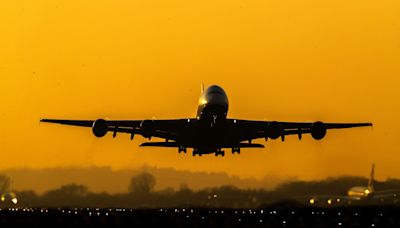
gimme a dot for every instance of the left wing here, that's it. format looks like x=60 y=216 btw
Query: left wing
x=244 y=130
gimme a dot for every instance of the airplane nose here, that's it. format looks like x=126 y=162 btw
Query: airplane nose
x=217 y=99
x=214 y=96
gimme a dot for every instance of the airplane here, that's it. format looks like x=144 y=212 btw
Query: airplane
x=359 y=193
x=210 y=131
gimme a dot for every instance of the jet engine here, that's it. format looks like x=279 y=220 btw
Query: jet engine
x=147 y=127
x=273 y=130
x=100 y=128
x=318 y=130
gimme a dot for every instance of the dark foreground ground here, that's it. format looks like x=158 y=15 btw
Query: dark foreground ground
x=274 y=216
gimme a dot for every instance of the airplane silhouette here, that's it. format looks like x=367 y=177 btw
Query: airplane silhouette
x=211 y=131
x=359 y=193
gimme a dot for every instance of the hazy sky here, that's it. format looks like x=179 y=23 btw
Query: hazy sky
x=298 y=60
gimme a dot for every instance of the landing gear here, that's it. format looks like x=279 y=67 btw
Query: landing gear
x=195 y=151
x=220 y=152
x=182 y=149
x=235 y=150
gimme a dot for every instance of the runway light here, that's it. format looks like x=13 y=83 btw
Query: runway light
x=14 y=200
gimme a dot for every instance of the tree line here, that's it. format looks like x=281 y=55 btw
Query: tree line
x=141 y=193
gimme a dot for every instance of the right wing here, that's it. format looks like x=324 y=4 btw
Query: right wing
x=166 y=129
x=387 y=194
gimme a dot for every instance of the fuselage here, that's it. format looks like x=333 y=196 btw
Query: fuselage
x=360 y=192
x=211 y=115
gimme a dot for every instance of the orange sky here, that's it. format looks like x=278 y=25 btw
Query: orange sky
x=300 y=60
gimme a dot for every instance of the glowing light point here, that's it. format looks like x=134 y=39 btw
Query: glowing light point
x=14 y=200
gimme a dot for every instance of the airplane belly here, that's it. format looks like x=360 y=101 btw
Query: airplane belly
x=210 y=138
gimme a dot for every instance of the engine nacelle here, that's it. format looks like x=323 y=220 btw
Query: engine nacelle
x=273 y=130
x=100 y=128
x=318 y=130
x=147 y=127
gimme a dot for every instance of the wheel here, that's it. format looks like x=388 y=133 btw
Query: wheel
x=236 y=150
x=222 y=153
x=182 y=149
x=195 y=152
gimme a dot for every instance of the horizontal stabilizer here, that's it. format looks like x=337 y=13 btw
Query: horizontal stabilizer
x=174 y=144
x=160 y=144
x=251 y=145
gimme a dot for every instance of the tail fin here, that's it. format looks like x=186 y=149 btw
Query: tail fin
x=371 y=178
x=202 y=87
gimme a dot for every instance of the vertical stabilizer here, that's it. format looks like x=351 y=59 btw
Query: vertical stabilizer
x=371 y=178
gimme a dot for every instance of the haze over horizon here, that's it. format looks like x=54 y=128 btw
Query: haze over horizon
x=335 y=61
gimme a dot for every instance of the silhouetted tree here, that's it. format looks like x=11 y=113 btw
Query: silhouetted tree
x=5 y=184
x=142 y=183
x=73 y=190
x=66 y=195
